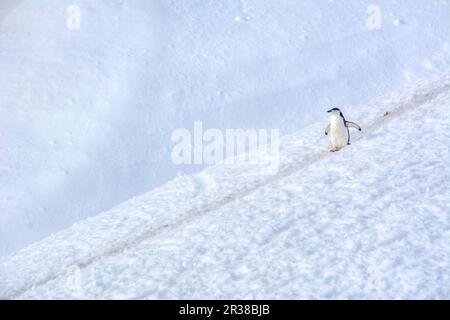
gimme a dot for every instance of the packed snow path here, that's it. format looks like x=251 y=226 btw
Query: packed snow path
x=371 y=221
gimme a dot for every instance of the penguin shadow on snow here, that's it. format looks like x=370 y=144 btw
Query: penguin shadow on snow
x=339 y=130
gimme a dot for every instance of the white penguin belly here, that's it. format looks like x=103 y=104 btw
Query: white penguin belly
x=338 y=134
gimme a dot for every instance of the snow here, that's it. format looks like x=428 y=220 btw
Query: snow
x=86 y=115
x=86 y=118
x=370 y=221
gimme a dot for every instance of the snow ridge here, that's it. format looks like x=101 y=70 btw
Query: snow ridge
x=184 y=200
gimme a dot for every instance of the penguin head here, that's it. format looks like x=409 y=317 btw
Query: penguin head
x=336 y=112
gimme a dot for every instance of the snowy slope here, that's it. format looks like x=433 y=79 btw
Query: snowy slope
x=86 y=115
x=371 y=221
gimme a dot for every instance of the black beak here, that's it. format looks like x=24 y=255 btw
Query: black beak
x=329 y=111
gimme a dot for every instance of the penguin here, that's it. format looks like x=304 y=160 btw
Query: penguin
x=338 y=130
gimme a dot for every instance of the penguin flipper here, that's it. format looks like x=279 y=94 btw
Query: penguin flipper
x=327 y=129
x=353 y=125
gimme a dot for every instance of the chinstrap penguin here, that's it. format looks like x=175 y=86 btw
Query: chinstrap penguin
x=338 y=130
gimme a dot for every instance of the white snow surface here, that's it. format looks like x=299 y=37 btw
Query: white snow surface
x=86 y=115
x=371 y=221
